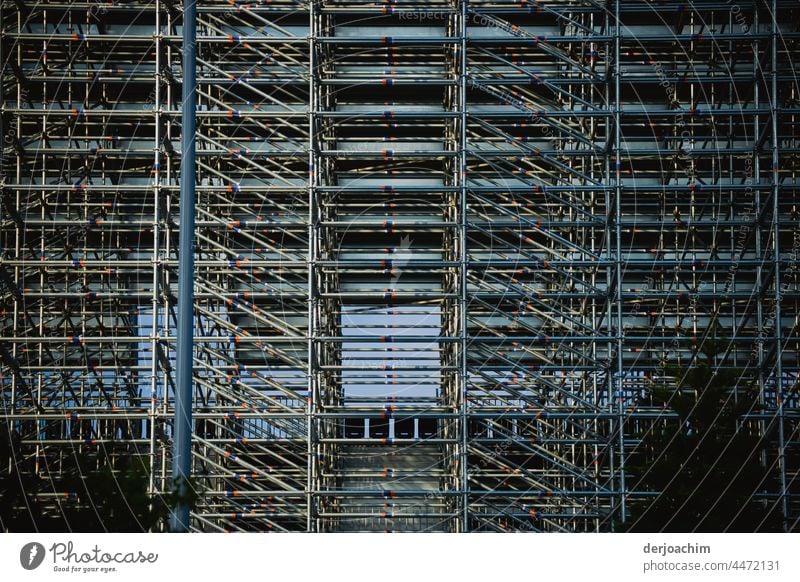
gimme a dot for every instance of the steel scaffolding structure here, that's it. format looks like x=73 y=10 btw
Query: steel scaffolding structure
x=443 y=248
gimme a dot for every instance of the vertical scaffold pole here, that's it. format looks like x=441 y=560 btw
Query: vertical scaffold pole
x=620 y=382
x=778 y=314
x=463 y=264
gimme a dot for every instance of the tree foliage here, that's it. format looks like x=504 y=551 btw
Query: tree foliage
x=91 y=494
x=708 y=464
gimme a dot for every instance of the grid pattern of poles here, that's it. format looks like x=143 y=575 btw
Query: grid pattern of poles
x=443 y=248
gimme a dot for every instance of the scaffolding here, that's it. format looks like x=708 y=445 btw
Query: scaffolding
x=442 y=248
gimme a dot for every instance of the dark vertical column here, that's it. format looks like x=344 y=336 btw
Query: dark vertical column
x=182 y=436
